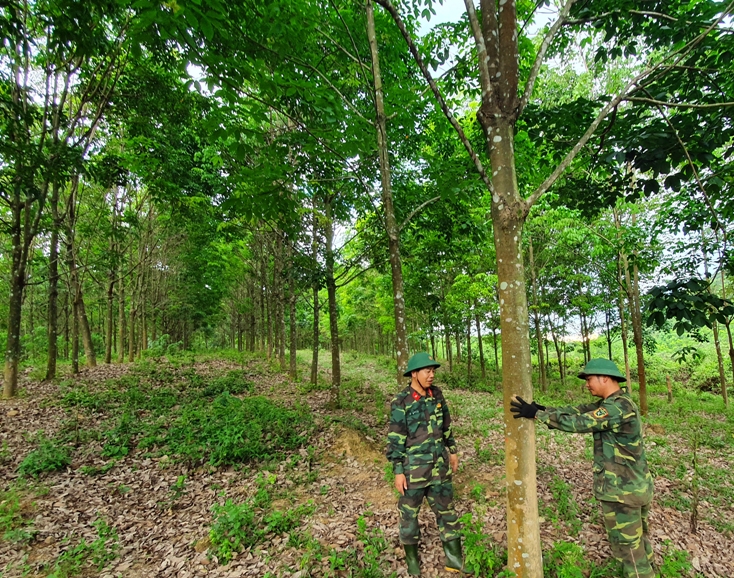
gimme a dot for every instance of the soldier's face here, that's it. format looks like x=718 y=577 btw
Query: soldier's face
x=426 y=375
x=595 y=385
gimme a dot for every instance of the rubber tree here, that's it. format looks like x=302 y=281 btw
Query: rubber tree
x=495 y=32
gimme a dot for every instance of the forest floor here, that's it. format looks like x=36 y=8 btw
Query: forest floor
x=146 y=514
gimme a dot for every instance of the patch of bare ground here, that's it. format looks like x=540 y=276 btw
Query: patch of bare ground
x=165 y=533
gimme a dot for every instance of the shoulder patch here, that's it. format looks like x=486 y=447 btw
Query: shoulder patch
x=600 y=413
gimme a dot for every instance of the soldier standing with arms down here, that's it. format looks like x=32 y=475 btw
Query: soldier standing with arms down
x=622 y=482
x=423 y=454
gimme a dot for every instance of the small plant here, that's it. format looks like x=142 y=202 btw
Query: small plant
x=375 y=545
x=98 y=470
x=240 y=526
x=478 y=492
x=13 y=527
x=565 y=560
x=50 y=456
x=675 y=562
x=99 y=553
x=481 y=556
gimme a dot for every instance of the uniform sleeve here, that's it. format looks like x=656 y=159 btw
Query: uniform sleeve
x=585 y=418
x=396 y=436
x=448 y=435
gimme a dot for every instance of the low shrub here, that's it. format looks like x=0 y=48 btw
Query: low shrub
x=48 y=457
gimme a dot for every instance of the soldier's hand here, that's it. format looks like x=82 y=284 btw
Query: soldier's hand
x=454 y=462
x=521 y=408
x=401 y=483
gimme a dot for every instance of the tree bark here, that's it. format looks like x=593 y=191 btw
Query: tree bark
x=482 y=363
x=315 y=289
x=536 y=318
x=53 y=284
x=292 y=317
x=391 y=226
x=121 y=321
x=468 y=349
x=333 y=312
x=636 y=315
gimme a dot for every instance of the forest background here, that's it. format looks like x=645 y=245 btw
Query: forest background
x=515 y=191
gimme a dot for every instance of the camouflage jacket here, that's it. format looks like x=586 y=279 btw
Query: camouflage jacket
x=419 y=439
x=620 y=465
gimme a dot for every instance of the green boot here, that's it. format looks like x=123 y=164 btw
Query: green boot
x=411 y=559
x=454 y=557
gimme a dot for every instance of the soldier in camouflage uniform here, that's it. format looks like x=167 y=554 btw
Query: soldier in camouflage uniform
x=622 y=482
x=422 y=451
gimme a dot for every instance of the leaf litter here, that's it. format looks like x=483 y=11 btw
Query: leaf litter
x=165 y=532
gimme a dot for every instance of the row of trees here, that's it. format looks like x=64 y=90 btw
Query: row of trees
x=230 y=173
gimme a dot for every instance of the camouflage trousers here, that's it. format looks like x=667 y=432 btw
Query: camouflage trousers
x=439 y=498
x=628 y=537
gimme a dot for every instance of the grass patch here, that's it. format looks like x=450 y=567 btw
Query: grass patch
x=237 y=527
x=175 y=411
x=49 y=456
x=98 y=553
x=14 y=527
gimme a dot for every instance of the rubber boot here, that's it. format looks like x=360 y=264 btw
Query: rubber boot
x=411 y=559
x=454 y=557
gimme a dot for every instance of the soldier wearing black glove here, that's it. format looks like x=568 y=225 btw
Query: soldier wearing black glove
x=521 y=408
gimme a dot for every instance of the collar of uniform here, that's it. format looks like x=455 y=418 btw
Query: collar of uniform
x=417 y=396
x=620 y=391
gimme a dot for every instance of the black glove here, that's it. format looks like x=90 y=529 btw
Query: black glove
x=521 y=408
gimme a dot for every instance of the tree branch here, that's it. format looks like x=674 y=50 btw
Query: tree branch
x=677 y=56
x=540 y=57
x=662 y=103
x=417 y=210
x=387 y=5
x=482 y=57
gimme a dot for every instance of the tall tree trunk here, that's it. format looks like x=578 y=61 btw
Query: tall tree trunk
x=715 y=329
x=391 y=225
x=53 y=284
x=636 y=315
x=508 y=216
x=121 y=321
x=279 y=283
x=86 y=331
x=468 y=349
x=482 y=362
x=536 y=318
x=292 y=316
x=315 y=289
x=607 y=317
x=333 y=314
x=74 y=336
x=17 y=285
x=81 y=318
x=109 y=321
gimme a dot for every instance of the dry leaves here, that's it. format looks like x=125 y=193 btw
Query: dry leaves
x=164 y=534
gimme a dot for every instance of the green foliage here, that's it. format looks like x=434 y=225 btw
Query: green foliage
x=675 y=562
x=482 y=557
x=229 y=430
x=98 y=553
x=13 y=526
x=567 y=560
x=237 y=527
x=191 y=417
x=563 y=505
x=50 y=456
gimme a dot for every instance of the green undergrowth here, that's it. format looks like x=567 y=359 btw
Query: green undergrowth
x=239 y=526
x=84 y=556
x=50 y=455
x=172 y=410
x=368 y=558
x=568 y=560
x=15 y=522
